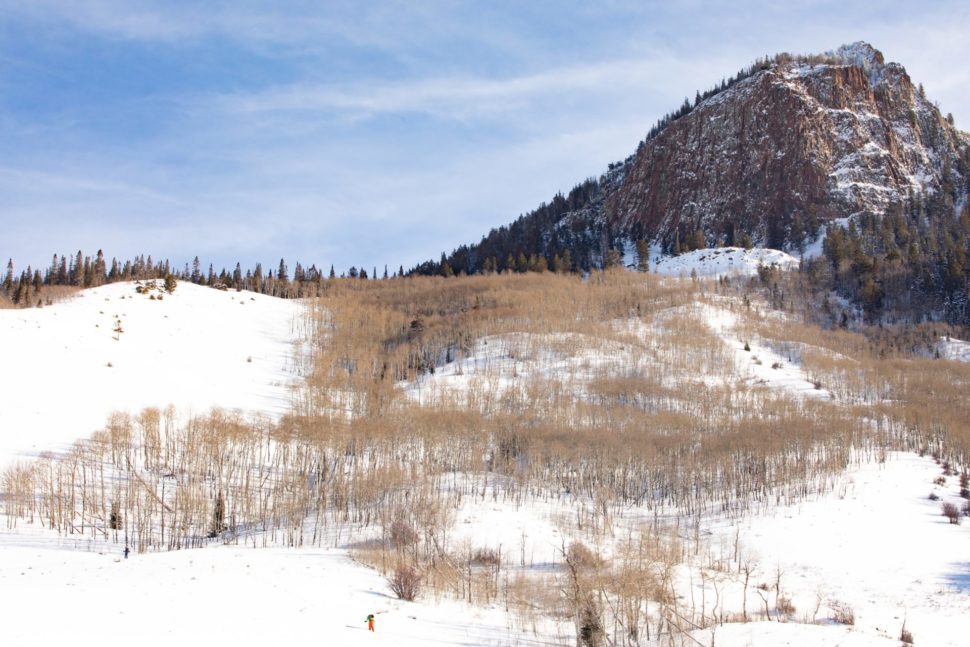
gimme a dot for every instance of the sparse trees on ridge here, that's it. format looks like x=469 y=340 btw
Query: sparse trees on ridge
x=84 y=272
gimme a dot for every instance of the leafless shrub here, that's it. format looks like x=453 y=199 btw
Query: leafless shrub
x=784 y=606
x=951 y=512
x=115 y=520
x=402 y=534
x=905 y=635
x=405 y=582
x=582 y=557
x=842 y=612
x=486 y=557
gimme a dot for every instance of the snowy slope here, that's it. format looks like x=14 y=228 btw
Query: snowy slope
x=66 y=369
x=194 y=349
x=879 y=544
x=760 y=365
x=226 y=596
x=723 y=261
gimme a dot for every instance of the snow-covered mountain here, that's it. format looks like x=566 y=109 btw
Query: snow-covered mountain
x=803 y=141
x=770 y=156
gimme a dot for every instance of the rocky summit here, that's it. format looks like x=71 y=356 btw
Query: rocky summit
x=802 y=141
x=766 y=158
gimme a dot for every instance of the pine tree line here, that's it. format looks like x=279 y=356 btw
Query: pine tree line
x=912 y=264
x=79 y=271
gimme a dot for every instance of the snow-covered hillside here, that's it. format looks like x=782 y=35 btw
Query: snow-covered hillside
x=68 y=366
x=869 y=539
x=723 y=261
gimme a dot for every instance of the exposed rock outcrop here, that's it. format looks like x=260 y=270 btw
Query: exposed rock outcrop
x=802 y=142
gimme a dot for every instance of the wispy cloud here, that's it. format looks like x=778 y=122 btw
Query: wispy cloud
x=364 y=133
x=453 y=97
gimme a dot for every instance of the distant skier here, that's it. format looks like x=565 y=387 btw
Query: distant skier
x=370 y=622
x=126 y=552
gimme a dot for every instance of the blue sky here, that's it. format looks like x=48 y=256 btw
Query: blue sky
x=365 y=133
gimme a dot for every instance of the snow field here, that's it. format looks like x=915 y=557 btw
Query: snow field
x=954 y=349
x=66 y=369
x=723 y=261
x=877 y=544
x=228 y=595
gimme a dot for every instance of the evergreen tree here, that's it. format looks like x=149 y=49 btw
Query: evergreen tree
x=614 y=258
x=697 y=240
x=99 y=270
x=643 y=256
x=77 y=272
x=88 y=273
x=8 y=278
x=567 y=261
x=52 y=272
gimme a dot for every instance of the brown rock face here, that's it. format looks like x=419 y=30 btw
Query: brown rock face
x=803 y=142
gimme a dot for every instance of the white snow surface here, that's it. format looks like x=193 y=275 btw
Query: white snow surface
x=879 y=544
x=761 y=365
x=65 y=369
x=723 y=261
x=227 y=596
x=955 y=349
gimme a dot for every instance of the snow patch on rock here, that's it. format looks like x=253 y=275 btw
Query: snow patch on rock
x=723 y=261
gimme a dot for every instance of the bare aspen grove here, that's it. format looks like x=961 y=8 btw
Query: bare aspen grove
x=616 y=403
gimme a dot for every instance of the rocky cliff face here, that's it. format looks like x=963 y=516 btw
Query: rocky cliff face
x=789 y=145
x=792 y=146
